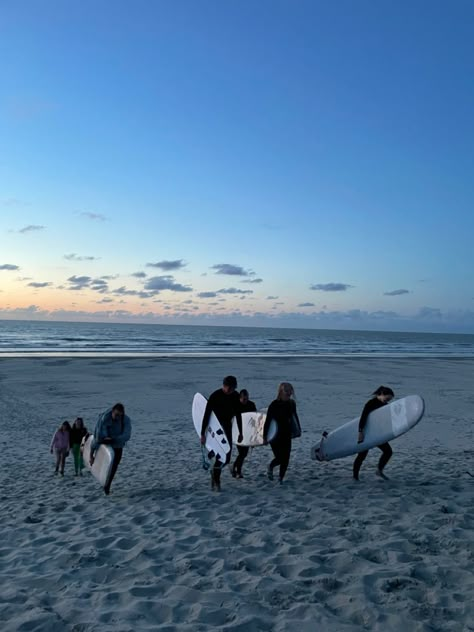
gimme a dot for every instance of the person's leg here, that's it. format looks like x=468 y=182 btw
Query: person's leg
x=62 y=461
x=276 y=449
x=237 y=469
x=76 y=452
x=285 y=458
x=384 y=458
x=360 y=458
x=58 y=460
x=115 y=464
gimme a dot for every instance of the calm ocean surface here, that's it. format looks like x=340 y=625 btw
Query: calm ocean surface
x=33 y=338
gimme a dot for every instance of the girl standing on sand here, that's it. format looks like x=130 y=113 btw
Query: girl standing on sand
x=283 y=411
x=60 y=446
x=381 y=397
x=78 y=432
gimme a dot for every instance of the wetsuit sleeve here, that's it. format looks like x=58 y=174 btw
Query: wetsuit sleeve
x=371 y=405
x=253 y=408
x=296 y=414
x=207 y=414
x=238 y=416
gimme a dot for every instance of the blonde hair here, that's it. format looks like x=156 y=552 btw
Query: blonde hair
x=285 y=387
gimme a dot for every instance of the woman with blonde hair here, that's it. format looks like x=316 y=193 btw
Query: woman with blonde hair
x=283 y=411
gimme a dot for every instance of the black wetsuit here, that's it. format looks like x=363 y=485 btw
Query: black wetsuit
x=225 y=407
x=243 y=450
x=371 y=405
x=282 y=412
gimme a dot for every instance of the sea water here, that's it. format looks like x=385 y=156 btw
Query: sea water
x=40 y=338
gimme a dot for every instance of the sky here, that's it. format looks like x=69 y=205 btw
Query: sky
x=232 y=162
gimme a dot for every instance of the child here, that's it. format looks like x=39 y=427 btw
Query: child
x=78 y=432
x=60 y=446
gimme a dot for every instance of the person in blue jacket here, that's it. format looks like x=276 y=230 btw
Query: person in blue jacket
x=113 y=428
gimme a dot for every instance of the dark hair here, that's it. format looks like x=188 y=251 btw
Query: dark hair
x=244 y=392
x=384 y=390
x=120 y=408
x=231 y=381
x=67 y=424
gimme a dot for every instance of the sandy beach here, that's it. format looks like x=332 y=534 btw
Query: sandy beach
x=163 y=552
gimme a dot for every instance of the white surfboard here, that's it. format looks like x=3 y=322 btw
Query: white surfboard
x=216 y=440
x=252 y=429
x=384 y=424
x=103 y=459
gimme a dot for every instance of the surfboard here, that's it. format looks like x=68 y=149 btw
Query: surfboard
x=216 y=440
x=252 y=429
x=103 y=459
x=384 y=424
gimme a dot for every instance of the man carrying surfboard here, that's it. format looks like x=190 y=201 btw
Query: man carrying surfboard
x=225 y=404
x=113 y=428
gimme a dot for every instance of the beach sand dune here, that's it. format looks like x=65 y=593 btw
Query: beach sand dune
x=163 y=552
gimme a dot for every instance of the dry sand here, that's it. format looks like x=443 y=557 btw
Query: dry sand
x=163 y=552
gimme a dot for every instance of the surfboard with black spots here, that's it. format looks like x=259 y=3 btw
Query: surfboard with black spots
x=216 y=440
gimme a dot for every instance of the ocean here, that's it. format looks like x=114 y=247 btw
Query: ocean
x=39 y=338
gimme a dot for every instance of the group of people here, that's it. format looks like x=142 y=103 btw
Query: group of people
x=68 y=439
x=226 y=403
x=114 y=429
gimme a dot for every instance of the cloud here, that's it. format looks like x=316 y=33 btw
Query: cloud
x=37 y=284
x=31 y=228
x=98 y=217
x=306 y=305
x=396 y=292
x=139 y=275
x=167 y=266
x=234 y=290
x=207 y=294
x=8 y=266
x=99 y=285
x=272 y=298
x=230 y=269
x=330 y=287
x=252 y=281
x=122 y=291
x=166 y=282
x=74 y=257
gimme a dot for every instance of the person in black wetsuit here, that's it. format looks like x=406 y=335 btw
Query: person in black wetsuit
x=225 y=404
x=246 y=406
x=381 y=397
x=282 y=410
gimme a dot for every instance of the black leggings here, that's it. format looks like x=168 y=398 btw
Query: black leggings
x=384 y=458
x=243 y=450
x=281 y=450
x=115 y=464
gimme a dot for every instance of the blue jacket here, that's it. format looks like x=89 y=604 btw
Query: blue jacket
x=119 y=430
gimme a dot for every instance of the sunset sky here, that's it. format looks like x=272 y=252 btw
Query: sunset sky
x=265 y=162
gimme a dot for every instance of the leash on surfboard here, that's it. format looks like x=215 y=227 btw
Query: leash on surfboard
x=209 y=462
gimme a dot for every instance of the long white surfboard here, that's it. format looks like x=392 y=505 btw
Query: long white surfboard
x=103 y=460
x=252 y=429
x=216 y=440
x=384 y=424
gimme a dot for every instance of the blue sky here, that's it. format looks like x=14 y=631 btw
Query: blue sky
x=258 y=163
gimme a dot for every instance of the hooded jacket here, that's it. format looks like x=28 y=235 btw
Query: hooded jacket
x=119 y=430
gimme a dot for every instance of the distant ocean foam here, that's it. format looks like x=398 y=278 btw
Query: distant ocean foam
x=37 y=338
